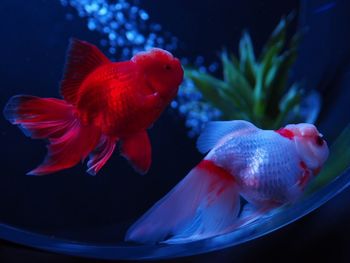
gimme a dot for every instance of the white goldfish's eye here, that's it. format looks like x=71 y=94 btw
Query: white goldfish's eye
x=319 y=140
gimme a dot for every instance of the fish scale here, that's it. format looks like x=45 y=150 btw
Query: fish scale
x=269 y=167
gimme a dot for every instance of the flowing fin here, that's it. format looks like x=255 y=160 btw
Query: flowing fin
x=137 y=150
x=39 y=118
x=205 y=203
x=54 y=119
x=82 y=59
x=101 y=154
x=214 y=131
x=251 y=213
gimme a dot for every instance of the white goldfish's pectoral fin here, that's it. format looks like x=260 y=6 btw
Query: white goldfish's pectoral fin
x=137 y=150
x=205 y=203
x=214 y=131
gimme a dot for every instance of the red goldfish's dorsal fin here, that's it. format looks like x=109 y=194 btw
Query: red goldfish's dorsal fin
x=82 y=59
x=214 y=131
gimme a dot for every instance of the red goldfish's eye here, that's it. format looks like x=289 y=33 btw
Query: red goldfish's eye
x=319 y=140
x=167 y=67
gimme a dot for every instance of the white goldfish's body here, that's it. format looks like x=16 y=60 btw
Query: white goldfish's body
x=267 y=168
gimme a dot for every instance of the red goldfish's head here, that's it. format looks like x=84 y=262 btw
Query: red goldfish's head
x=311 y=146
x=162 y=70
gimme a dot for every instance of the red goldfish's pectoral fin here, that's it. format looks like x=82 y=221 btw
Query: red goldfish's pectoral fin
x=216 y=130
x=205 y=203
x=137 y=150
x=69 y=141
x=82 y=59
x=101 y=154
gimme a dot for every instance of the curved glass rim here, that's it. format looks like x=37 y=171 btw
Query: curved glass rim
x=262 y=226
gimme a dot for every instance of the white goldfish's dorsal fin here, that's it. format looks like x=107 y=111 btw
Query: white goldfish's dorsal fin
x=82 y=59
x=214 y=131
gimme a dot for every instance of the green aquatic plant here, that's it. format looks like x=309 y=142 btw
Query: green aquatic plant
x=256 y=88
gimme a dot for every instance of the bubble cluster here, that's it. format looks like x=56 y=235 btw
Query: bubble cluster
x=191 y=105
x=127 y=29
x=190 y=102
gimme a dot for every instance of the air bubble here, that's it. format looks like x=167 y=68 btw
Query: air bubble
x=143 y=15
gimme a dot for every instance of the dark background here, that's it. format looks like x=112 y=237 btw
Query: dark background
x=34 y=36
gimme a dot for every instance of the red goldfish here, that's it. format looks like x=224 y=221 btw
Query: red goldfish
x=267 y=168
x=103 y=103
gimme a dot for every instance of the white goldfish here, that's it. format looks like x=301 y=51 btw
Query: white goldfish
x=267 y=168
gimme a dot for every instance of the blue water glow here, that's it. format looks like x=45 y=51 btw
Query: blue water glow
x=325 y=8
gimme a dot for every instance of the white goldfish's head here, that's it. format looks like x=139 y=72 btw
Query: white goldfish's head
x=162 y=70
x=311 y=146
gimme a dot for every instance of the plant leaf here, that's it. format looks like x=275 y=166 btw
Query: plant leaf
x=235 y=61
x=289 y=102
x=269 y=67
x=310 y=107
x=278 y=35
x=277 y=38
x=247 y=57
x=237 y=82
x=212 y=90
x=259 y=98
x=278 y=84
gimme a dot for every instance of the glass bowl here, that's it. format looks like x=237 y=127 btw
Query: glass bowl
x=73 y=213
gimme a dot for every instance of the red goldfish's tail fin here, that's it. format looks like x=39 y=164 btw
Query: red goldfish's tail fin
x=55 y=120
x=205 y=203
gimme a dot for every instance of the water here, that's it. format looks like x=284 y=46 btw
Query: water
x=72 y=212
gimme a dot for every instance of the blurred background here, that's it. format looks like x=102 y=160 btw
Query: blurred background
x=34 y=38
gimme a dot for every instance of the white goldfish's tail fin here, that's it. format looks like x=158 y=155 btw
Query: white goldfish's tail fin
x=203 y=204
